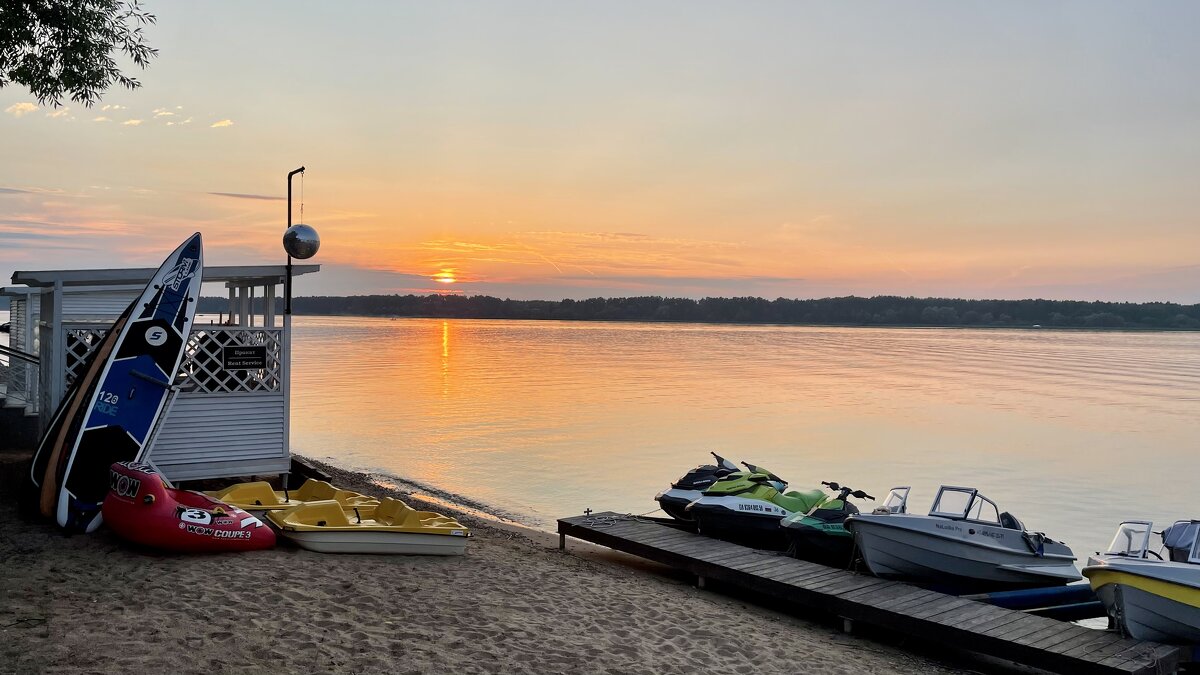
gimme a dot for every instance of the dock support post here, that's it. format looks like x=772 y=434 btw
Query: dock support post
x=562 y=541
x=847 y=625
x=701 y=582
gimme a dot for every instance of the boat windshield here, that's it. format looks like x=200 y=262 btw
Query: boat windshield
x=984 y=510
x=896 y=500
x=963 y=503
x=1194 y=558
x=1132 y=539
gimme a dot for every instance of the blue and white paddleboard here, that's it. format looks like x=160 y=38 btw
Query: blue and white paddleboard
x=120 y=410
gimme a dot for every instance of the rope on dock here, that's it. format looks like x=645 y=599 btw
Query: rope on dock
x=609 y=521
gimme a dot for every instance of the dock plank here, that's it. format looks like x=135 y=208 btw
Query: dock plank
x=889 y=590
x=1088 y=637
x=957 y=617
x=900 y=607
x=1115 y=643
x=993 y=621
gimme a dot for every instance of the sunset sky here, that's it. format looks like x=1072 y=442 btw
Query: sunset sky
x=565 y=149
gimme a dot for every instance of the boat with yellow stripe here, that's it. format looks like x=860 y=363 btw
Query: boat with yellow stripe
x=1148 y=597
x=391 y=526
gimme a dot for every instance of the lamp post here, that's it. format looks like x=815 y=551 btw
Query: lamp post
x=300 y=241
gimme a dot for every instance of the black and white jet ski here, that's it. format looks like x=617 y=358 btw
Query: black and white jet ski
x=691 y=485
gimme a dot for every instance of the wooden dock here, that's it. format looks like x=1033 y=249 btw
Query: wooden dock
x=899 y=607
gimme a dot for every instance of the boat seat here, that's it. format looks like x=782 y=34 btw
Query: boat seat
x=1010 y=522
x=261 y=494
x=1178 y=539
x=322 y=513
x=395 y=512
x=316 y=490
x=258 y=493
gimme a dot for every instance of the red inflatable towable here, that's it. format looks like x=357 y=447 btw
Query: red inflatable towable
x=141 y=508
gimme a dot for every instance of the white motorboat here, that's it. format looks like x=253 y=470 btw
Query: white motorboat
x=965 y=543
x=1150 y=598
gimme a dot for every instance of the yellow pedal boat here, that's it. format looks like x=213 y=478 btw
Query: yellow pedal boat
x=391 y=526
x=259 y=497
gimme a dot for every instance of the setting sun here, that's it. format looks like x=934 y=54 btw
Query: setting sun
x=445 y=277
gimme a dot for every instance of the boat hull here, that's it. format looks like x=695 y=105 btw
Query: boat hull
x=898 y=549
x=1147 y=608
x=395 y=543
x=674 y=502
x=756 y=524
x=827 y=548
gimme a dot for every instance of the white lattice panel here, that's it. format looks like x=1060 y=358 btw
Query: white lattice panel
x=81 y=342
x=202 y=365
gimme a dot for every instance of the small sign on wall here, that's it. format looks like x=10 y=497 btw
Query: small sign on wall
x=244 y=358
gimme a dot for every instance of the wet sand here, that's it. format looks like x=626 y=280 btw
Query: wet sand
x=513 y=604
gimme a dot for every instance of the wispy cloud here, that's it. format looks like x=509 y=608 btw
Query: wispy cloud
x=222 y=123
x=163 y=112
x=239 y=195
x=20 y=109
x=61 y=112
x=131 y=123
x=31 y=191
x=113 y=107
x=101 y=118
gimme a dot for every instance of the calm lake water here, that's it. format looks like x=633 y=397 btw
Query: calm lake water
x=1072 y=431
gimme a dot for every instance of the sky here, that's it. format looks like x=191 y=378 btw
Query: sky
x=549 y=150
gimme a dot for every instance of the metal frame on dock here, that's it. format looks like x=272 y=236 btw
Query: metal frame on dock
x=899 y=607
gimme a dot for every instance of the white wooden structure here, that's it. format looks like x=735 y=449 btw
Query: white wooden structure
x=221 y=422
x=19 y=378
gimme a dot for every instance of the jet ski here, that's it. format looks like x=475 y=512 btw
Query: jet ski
x=819 y=535
x=1148 y=597
x=687 y=489
x=965 y=543
x=745 y=507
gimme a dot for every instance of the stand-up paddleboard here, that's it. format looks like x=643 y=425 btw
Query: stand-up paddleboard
x=49 y=461
x=116 y=417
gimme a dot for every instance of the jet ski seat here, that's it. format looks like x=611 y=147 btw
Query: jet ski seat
x=1010 y=522
x=797 y=500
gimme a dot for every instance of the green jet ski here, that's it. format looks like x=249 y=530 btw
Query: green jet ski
x=819 y=534
x=745 y=507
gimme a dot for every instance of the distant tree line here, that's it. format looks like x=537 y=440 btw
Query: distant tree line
x=883 y=310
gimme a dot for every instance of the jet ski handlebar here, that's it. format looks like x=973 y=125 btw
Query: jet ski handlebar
x=846 y=491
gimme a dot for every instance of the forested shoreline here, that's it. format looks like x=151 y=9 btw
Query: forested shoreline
x=851 y=310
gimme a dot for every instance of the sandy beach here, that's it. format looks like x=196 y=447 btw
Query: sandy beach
x=513 y=604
